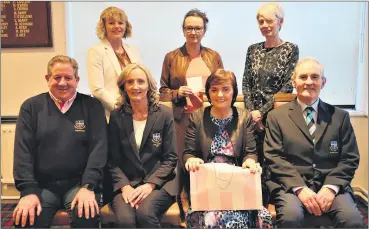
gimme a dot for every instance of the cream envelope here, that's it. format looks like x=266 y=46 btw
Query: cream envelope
x=220 y=186
x=195 y=83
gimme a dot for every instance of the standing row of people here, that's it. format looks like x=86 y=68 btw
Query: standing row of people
x=63 y=141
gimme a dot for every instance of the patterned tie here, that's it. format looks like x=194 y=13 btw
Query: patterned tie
x=310 y=120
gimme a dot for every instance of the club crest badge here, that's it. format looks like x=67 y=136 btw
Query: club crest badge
x=156 y=139
x=334 y=147
x=80 y=126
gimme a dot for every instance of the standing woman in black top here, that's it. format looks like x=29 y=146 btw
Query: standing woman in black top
x=268 y=68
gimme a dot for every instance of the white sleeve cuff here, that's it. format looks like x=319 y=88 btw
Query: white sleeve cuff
x=335 y=188
x=295 y=189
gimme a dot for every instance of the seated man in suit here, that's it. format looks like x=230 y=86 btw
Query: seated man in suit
x=311 y=155
x=60 y=151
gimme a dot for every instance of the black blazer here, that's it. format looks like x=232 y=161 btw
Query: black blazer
x=201 y=131
x=155 y=161
x=293 y=159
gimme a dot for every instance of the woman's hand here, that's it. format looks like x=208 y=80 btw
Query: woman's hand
x=193 y=163
x=127 y=191
x=252 y=165
x=140 y=193
x=184 y=91
x=256 y=116
x=259 y=126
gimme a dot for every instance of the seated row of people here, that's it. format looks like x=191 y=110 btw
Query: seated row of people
x=63 y=144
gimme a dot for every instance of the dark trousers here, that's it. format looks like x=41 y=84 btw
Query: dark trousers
x=259 y=139
x=291 y=212
x=181 y=128
x=148 y=214
x=52 y=201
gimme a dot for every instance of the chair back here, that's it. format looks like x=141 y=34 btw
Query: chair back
x=283 y=98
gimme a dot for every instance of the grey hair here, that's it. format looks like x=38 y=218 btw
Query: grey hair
x=65 y=60
x=304 y=60
x=273 y=6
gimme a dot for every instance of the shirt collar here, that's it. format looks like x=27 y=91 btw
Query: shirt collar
x=59 y=101
x=314 y=105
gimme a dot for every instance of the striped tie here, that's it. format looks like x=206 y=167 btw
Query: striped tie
x=310 y=120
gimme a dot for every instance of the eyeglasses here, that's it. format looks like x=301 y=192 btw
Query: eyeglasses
x=189 y=29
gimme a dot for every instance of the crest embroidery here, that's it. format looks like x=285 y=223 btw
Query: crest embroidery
x=156 y=139
x=80 y=126
x=334 y=147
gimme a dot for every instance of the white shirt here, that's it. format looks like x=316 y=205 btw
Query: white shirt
x=335 y=188
x=139 y=127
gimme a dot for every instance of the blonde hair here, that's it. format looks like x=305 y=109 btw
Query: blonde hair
x=65 y=60
x=304 y=60
x=275 y=7
x=109 y=12
x=152 y=94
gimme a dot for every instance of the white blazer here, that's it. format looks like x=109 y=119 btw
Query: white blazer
x=103 y=70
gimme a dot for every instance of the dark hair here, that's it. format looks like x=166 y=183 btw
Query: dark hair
x=197 y=13
x=221 y=76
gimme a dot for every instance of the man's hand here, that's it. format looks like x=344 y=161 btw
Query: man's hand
x=193 y=163
x=85 y=200
x=140 y=193
x=307 y=198
x=252 y=165
x=25 y=207
x=127 y=191
x=325 y=198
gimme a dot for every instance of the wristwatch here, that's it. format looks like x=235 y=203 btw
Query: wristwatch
x=89 y=187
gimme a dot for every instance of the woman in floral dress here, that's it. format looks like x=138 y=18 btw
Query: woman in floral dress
x=222 y=133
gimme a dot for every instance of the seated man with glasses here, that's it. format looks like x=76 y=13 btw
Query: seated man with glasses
x=311 y=155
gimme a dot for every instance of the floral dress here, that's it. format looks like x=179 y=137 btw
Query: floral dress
x=221 y=151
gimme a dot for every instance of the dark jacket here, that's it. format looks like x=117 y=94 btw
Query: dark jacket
x=201 y=131
x=155 y=161
x=178 y=61
x=292 y=158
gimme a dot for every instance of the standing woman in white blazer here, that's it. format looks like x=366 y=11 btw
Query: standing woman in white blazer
x=107 y=59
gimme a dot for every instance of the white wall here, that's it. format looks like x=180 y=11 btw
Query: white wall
x=319 y=28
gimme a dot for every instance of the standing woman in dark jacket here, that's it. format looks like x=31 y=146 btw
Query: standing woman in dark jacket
x=268 y=68
x=192 y=59
x=222 y=133
x=142 y=151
